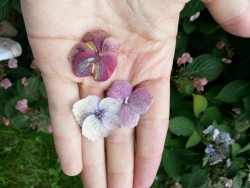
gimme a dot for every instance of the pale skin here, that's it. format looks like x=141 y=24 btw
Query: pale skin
x=147 y=31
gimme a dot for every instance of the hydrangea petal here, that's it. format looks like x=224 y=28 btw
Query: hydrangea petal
x=110 y=105
x=111 y=121
x=97 y=37
x=84 y=107
x=93 y=129
x=111 y=45
x=140 y=101
x=120 y=90
x=79 y=48
x=105 y=67
x=128 y=117
x=83 y=64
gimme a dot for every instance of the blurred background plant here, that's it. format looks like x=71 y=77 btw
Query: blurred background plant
x=208 y=143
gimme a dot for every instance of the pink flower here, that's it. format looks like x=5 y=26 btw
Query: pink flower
x=50 y=128
x=5 y=83
x=220 y=44
x=226 y=60
x=199 y=83
x=33 y=65
x=22 y=105
x=236 y=110
x=12 y=63
x=25 y=81
x=185 y=57
x=6 y=121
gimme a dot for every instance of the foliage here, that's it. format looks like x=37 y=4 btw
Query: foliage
x=208 y=143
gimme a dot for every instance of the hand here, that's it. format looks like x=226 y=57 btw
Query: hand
x=147 y=31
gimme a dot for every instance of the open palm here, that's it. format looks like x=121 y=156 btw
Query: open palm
x=147 y=31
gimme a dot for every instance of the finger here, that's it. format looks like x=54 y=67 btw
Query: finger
x=120 y=158
x=62 y=94
x=94 y=168
x=232 y=15
x=150 y=134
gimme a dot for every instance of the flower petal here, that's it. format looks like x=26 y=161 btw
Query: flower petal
x=110 y=105
x=128 y=117
x=140 y=101
x=79 y=48
x=120 y=90
x=85 y=107
x=93 y=129
x=104 y=67
x=111 y=121
x=111 y=45
x=83 y=64
x=97 y=37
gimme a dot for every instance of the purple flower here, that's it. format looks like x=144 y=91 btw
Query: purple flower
x=25 y=81
x=97 y=56
x=22 y=105
x=5 y=83
x=12 y=63
x=210 y=149
x=208 y=130
x=229 y=183
x=97 y=117
x=133 y=103
x=215 y=134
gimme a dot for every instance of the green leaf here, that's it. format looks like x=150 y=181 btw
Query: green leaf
x=208 y=27
x=20 y=121
x=188 y=26
x=200 y=104
x=198 y=179
x=171 y=164
x=210 y=114
x=9 y=109
x=16 y=4
x=237 y=181
x=234 y=91
x=42 y=90
x=246 y=102
x=245 y=148
x=31 y=91
x=235 y=149
x=191 y=8
x=4 y=9
x=181 y=126
x=193 y=140
x=205 y=66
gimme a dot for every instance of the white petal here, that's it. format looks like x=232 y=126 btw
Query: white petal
x=84 y=107
x=110 y=105
x=93 y=129
x=111 y=121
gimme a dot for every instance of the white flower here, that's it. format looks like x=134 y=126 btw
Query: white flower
x=216 y=133
x=194 y=17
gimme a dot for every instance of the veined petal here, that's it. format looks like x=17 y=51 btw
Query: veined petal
x=85 y=107
x=120 y=90
x=128 y=117
x=140 y=101
x=93 y=129
x=83 y=64
x=110 y=105
x=104 y=68
x=97 y=37
x=111 y=45
x=79 y=48
x=111 y=121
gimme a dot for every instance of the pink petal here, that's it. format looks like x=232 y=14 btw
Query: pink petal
x=79 y=48
x=111 y=45
x=83 y=64
x=120 y=90
x=104 y=68
x=140 y=101
x=6 y=83
x=97 y=38
x=128 y=117
x=22 y=105
x=33 y=64
x=6 y=121
x=12 y=63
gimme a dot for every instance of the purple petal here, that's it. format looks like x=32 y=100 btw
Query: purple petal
x=84 y=107
x=120 y=90
x=83 y=64
x=104 y=68
x=128 y=117
x=79 y=48
x=140 y=101
x=97 y=38
x=111 y=121
x=93 y=129
x=111 y=45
